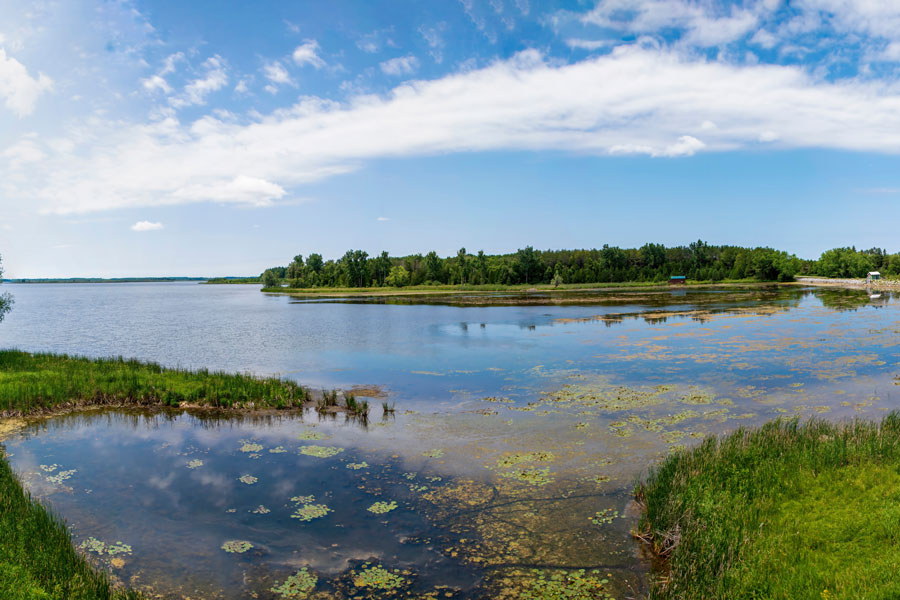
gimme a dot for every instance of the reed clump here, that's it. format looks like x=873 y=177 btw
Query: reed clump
x=787 y=510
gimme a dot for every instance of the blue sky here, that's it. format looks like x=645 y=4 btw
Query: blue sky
x=219 y=138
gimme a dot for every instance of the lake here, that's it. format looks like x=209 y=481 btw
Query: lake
x=518 y=435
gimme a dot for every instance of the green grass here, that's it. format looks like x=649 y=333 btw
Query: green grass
x=487 y=288
x=37 y=558
x=785 y=511
x=31 y=383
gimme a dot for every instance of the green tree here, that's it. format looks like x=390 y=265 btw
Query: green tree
x=314 y=263
x=463 y=265
x=528 y=265
x=6 y=301
x=398 y=277
x=433 y=267
x=270 y=279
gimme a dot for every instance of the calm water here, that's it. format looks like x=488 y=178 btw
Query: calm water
x=519 y=431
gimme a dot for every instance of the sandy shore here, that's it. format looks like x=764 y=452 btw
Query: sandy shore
x=881 y=284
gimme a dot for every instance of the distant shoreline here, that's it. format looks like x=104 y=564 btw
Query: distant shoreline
x=105 y=280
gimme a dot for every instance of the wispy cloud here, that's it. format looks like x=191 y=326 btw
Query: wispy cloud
x=146 y=226
x=383 y=219
x=636 y=100
x=276 y=73
x=403 y=65
x=195 y=92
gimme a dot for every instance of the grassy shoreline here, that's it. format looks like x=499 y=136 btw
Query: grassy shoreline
x=37 y=558
x=786 y=511
x=489 y=290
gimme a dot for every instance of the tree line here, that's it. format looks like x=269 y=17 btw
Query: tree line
x=609 y=264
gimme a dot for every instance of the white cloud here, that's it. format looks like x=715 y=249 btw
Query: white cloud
x=146 y=226
x=632 y=100
x=705 y=24
x=307 y=54
x=403 y=65
x=195 y=92
x=155 y=82
x=588 y=44
x=383 y=219
x=276 y=73
x=433 y=36
x=19 y=90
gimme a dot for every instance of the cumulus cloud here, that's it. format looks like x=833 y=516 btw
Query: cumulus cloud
x=19 y=90
x=632 y=100
x=307 y=53
x=276 y=73
x=146 y=226
x=403 y=65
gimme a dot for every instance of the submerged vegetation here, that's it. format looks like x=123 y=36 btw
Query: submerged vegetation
x=787 y=510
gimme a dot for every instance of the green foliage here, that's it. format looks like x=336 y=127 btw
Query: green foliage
x=850 y=262
x=6 y=301
x=37 y=558
x=37 y=382
x=788 y=510
x=698 y=261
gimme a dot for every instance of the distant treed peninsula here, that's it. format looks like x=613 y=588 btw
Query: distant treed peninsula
x=650 y=263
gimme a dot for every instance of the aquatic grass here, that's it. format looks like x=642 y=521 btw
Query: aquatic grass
x=308 y=512
x=37 y=558
x=786 y=510
x=40 y=382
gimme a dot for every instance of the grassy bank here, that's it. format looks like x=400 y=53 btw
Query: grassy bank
x=785 y=511
x=32 y=383
x=449 y=290
x=37 y=559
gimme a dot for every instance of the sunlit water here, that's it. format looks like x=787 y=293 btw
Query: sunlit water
x=515 y=427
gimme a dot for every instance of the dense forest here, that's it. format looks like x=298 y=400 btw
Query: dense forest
x=697 y=261
x=649 y=263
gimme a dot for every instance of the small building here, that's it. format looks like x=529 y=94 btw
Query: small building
x=872 y=276
x=677 y=280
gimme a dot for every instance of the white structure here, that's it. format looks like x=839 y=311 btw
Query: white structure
x=873 y=276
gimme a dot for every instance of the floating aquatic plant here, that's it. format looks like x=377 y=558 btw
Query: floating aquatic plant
x=308 y=512
x=433 y=453
x=321 y=451
x=260 y=510
x=380 y=508
x=92 y=544
x=357 y=466
x=236 y=546
x=248 y=479
x=379 y=578
x=49 y=468
x=61 y=476
x=313 y=435
x=569 y=585
x=194 y=464
x=532 y=476
x=250 y=447
x=277 y=450
x=524 y=457
x=118 y=548
x=303 y=499
x=605 y=517
x=298 y=585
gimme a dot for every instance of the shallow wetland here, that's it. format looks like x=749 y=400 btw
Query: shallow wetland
x=505 y=471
